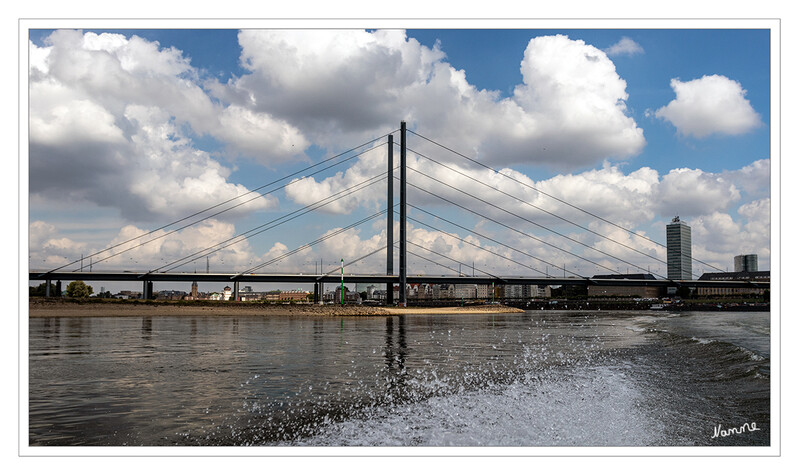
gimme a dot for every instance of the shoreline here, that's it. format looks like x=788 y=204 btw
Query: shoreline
x=41 y=308
x=48 y=308
x=472 y=309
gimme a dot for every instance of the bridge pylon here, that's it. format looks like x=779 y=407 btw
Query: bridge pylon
x=403 y=215
x=390 y=222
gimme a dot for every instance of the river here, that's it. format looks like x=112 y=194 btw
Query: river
x=534 y=379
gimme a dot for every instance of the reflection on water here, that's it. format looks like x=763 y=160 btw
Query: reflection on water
x=146 y=328
x=534 y=379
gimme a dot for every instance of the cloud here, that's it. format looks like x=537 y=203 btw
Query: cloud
x=339 y=87
x=710 y=105
x=259 y=135
x=718 y=227
x=307 y=190
x=758 y=227
x=115 y=71
x=328 y=82
x=47 y=249
x=74 y=121
x=753 y=179
x=693 y=192
x=111 y=121
x=160 y=249
x=134 y=248
x=718 y=237
x=113 y=118
x=625 y=47
x=570 y=112
x=607 y=192
x=625 y=198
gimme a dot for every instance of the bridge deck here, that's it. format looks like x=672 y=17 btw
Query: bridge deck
x=381 y=279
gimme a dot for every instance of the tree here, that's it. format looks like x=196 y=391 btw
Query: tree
x=79 y=290
x=41 y=290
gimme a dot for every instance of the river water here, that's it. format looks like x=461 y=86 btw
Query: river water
x=537 y=379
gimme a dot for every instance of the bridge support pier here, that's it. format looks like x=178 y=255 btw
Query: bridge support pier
x=147 y=290
x=47 y=288
x=58 y=288
x=236 y=291
x=316 y=292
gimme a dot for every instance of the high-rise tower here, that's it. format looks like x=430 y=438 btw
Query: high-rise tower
x=678 y=250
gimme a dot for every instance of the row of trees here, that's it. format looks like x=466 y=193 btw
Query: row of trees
x=76 y=289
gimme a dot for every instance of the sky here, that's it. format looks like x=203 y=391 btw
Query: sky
x=130 y=130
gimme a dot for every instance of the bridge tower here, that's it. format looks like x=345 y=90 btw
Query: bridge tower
x=403 y=213
x=390 y=222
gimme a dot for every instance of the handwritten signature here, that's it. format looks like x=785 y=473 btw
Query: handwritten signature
x=748 y=427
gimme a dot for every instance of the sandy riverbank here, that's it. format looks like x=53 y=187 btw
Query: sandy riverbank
x=63 y=308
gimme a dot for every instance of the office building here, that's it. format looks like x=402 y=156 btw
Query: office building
x=746 y=263
x=526 y=291
x=678 y=250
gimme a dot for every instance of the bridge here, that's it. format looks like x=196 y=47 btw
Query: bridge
x=168 y=273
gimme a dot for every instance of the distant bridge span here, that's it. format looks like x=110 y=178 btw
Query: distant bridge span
x=381 y=279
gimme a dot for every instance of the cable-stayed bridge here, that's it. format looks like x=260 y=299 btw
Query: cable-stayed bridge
x=515 y=223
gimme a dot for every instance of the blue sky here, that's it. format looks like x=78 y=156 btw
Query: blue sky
x=131 y=129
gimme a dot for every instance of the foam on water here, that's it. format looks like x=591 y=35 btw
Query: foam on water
x=702 y=341
x=598 y=407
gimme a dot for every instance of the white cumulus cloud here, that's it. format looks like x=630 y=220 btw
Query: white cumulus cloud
x=710 y=105
x=693 y=192
x=338 y=87
x=569 y=112
x=259 y=135
x=110 y=124
x=754 y=179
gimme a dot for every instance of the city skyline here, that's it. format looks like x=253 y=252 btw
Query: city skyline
x=680 y=134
